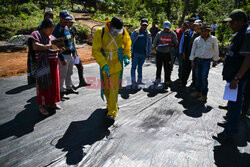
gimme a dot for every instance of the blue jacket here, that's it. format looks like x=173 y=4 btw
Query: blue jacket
x=134 y=37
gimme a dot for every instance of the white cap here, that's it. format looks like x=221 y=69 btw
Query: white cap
x=198 y=22
x=166 y=24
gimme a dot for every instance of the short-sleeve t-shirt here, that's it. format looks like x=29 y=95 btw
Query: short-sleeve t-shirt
x=245 y=49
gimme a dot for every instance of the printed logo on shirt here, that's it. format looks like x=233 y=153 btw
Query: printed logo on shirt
x=141 y=36
x=165 y=39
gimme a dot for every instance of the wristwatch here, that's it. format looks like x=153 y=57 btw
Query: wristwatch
x=236 y=78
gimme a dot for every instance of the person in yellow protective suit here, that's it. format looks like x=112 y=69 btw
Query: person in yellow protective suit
x=111 y=47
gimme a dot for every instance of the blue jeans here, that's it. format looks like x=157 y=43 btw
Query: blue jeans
x=234 y=110
x=137 y=61
x=176 y=54
x=201 y=73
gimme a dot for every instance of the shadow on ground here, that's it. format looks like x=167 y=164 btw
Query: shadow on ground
x=228 y=154
x=193 y=107
x=81 y=133
x=24 y=122
x=20 y=89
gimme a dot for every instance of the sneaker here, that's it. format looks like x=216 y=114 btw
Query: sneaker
x=196 y=94
x=202 y=98
x=69 y=91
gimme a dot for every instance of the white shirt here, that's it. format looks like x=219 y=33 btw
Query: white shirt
x=205 y=49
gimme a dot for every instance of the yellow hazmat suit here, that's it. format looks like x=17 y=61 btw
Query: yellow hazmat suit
x=110 y=50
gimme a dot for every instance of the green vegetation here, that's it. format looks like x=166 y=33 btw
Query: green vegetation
x=23 y=16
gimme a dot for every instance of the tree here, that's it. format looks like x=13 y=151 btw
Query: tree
x=184 y=11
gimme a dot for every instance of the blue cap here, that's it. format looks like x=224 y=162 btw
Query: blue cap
x=64 y=14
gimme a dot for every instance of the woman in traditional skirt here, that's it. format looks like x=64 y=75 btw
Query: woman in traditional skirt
x=48 y=93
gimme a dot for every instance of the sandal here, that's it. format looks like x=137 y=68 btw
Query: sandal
x=56 y=107
x=43 y=111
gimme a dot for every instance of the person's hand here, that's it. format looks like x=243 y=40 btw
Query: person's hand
x=64 y=62
x=233 y=84
x=126 y=60
x=183 y=56
x=106 y=69
x=214 y=64
x=193 y=65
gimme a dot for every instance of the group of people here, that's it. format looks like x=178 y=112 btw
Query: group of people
x=113 y=47
x=46 y=45
x=191 y=44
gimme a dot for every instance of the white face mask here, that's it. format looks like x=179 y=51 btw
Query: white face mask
x=114 y=32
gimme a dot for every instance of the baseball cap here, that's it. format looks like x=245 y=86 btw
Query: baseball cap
x=48 y=10
x=166 y=24
x=72 y=20
x=144 y=21
x=64 y=14
x=206 y=26
x=236 y=14
x=198 y=22
x=186 y=23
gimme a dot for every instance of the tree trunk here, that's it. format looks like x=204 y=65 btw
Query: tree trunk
x=184 y=11
x=50 y=4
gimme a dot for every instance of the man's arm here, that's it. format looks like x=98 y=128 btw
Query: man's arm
x=243 y=69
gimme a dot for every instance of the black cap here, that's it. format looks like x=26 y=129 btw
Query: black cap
x=116 y=22
x=144 y=21
x=236 y=14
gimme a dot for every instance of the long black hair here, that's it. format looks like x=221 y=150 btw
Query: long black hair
x=47 y=23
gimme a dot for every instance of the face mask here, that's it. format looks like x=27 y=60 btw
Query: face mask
x=114 y=32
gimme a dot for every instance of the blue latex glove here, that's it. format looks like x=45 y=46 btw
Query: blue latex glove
x=106 y=69
x=126 y=60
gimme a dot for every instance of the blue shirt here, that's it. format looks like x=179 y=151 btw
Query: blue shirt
x=60 y=32
x=140 y=43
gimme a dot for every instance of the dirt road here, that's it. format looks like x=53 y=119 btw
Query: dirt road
x=15 y=63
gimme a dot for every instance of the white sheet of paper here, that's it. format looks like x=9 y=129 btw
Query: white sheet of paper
x=230 y=94
x=77 y=60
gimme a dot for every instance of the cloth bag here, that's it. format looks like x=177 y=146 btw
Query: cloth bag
x=43 y=75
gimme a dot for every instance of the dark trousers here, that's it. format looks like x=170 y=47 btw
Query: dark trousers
x=234 y=110
x=186 y=69
x=246 y=100
x=80 y=71
x=165 y=59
